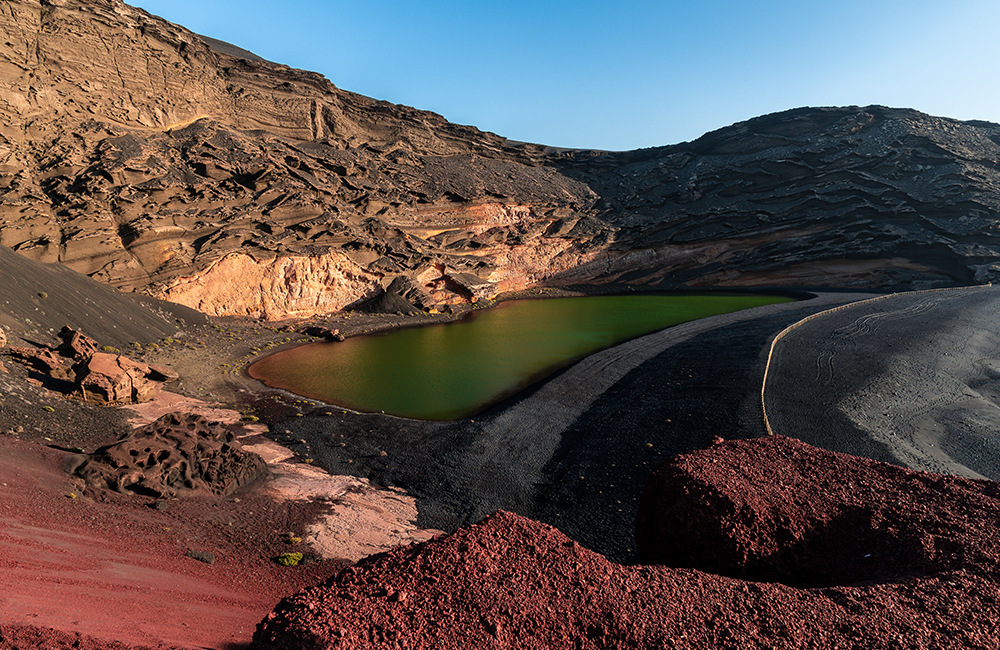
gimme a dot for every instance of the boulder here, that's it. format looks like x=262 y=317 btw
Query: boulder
x=105 y=378
x=43 y=360
x=161 y=373
x=320 y=332
x=76 y=345
x=178 y=455
x=3 y=338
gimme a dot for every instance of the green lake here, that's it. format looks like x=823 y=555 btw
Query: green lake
x=454 y=370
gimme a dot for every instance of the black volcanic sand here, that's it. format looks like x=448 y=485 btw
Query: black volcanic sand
x=576 y=450
x=911 y=379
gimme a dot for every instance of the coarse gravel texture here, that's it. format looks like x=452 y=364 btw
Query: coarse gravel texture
x=786 y=511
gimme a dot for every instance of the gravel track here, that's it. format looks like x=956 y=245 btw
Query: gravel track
x=909 y=378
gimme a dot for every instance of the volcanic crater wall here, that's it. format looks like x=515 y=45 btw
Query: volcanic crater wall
x=135 y=153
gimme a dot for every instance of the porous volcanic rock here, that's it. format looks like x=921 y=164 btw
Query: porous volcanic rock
x=779 y=510
x=509 y=582
x=178 y=455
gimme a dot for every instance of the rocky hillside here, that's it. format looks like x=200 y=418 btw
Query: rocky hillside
x=134 y=152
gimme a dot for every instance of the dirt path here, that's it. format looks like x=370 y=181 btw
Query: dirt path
x=912 y=379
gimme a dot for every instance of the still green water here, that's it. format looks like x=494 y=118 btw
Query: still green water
x=450 y=371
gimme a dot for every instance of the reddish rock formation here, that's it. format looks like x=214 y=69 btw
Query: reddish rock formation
x=179 y=454
x=105 y=378
x=43 y=360
x=76 y=345
x=97 y=377
x=795 y=513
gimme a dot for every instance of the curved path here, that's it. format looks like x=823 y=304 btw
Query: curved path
x=575 y=450
x=912 y=379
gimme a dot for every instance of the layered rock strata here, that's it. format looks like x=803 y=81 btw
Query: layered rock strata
x=841 y=552
x=143 y=155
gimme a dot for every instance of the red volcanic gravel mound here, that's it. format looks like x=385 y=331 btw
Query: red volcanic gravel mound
x=509 y=582
x=778 y=510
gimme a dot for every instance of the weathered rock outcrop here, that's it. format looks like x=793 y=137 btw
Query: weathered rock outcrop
x=890 y=554
x=104 y=378
x=96 y=377
x=135 y=153
x=43 y=360
x=179 y=454
x=76 y=345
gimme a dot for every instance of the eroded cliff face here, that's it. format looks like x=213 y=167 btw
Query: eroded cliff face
x=133 y=152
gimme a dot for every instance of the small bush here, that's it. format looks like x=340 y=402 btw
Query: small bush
x=289 y=559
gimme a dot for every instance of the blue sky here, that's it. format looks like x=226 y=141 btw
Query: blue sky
x=625 y=75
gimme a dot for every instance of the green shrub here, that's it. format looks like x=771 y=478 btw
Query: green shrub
x=289 y=559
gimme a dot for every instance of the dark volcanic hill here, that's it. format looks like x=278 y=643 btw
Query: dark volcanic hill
x=134 y=152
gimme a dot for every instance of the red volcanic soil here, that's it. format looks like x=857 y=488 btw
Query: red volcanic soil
x=779 y=510
x=101 y=570
x=918 y=552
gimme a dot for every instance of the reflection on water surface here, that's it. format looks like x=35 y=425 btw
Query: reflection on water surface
x=453 y=370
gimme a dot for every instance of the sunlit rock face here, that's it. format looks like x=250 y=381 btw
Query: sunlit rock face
x=133 y=152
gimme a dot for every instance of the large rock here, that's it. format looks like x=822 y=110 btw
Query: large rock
x=178 y=455
x=76 y=345
x=43 y=360
x=3 y=338
x=104 y=378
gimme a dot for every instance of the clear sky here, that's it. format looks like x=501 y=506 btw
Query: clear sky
x=630 y=73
